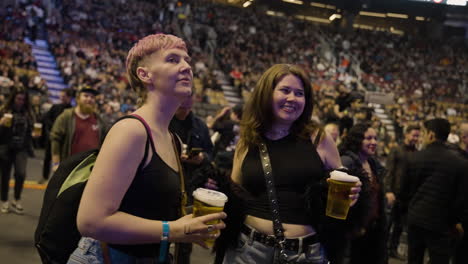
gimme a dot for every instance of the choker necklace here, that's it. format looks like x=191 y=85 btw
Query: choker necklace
x=277 y=133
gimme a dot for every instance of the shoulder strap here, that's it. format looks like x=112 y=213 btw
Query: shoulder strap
x=149 y=140
x=148 y=129
x=183 y=194
x=272 y=197
x=318 y=137
x=179 y=143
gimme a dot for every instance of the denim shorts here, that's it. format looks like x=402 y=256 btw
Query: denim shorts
x=89 y=251
x=248 y=251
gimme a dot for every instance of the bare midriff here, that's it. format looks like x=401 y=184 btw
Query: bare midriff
x=290 y=230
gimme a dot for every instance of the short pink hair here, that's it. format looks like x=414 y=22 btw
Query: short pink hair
x=145 y=47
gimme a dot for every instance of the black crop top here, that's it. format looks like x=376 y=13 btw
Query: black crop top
x=153 y=194
x=295 y=164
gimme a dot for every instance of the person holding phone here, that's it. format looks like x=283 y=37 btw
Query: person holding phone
x=196 y=152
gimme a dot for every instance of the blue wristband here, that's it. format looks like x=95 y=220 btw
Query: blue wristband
x=163 y=246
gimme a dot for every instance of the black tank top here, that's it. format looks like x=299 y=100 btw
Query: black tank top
x=295 y=164
x=154 y=194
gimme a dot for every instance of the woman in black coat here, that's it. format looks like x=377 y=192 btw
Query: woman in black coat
x=368 y=240
x=16 y=126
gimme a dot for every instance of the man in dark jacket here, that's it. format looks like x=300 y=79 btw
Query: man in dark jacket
x=66 y=96
x=396 y=164
x=196 y=152
x=461 y=254
x=434 y=195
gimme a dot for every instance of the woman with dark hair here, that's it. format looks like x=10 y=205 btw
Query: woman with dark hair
x=16 y=124
x=276 y=124
x=368 y=241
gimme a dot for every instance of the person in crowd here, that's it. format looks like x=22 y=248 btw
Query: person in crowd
x=279 y=114
x=434 y=195
x=16 y=135
x=333 y=130
x=464 y=139
x=461 y=253
x=396 y=163
x=65 y=96
x=367 y=244
x=77 y=129
x=197 y=152
x=135 y=187
x=226 y=123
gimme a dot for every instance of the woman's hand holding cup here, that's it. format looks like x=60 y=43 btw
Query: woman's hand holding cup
x=190 y=229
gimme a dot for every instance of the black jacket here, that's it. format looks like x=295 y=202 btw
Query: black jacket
x=352 y=162
x=396 y=164
x=193 y=132
x=434 y=191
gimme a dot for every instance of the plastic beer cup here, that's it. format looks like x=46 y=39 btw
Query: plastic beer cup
x=339 y=188
x=38 y=129
x=206 y=201
x=9 y=119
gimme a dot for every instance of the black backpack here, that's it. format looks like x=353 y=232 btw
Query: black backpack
x=57 y=234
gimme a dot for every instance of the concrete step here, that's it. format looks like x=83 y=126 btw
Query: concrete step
x=56 y=86
x=227 y=87
x=44 y=64
x=36 y=51
x=231 y=93
x=41 y=44
x=234 y=100
x=382 y=116
x=386 y=121
x=52 y=78
x=48 y=71
x=44 y=58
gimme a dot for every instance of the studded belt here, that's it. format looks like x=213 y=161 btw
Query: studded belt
x=292 y=244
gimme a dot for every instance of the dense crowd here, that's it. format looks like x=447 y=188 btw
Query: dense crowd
x=427 y=77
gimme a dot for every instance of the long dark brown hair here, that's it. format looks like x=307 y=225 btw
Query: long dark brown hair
x=258 y=112
x=9 y=104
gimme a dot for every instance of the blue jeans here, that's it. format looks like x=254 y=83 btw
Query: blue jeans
x=248 y=251
x=89 y=251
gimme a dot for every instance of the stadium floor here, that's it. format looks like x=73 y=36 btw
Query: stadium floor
x=17 y=231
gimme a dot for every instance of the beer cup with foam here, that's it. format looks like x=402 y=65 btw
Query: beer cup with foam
x=37 y=129
x=206 y=201
x=8 y=119
x=339 y=189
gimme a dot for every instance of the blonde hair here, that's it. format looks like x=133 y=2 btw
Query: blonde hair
x=143 y=48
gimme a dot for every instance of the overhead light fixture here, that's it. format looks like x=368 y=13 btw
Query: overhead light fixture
x=396 y=31
x=320 y=5
x=247 y=4
x=374 y=14
x=420 y=18
x=334 y=16
x=297 y=2
x=273 y=13
x=404 y=16
x=363 y=26
x=314 y=19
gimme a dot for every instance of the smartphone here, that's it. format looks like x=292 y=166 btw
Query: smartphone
x=194 y=152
